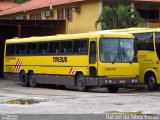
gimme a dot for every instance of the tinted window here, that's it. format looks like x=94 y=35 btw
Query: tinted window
x=66 y=46
x=10 y=49
x=20 y=48
x=81 y=46
x=42 y=48
x=157 y=36
x=144 y=41
x=32 y=48
x=54 y=47
x=92 y=56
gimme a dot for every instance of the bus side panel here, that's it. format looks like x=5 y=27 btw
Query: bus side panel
x=49 y=69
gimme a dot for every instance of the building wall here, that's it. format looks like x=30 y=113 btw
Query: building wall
x=83 y=21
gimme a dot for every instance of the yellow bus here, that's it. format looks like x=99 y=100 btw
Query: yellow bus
x=148 y=45
x=103 y=59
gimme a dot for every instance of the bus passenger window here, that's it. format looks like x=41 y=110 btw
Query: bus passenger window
x=20 y=49
x=81 y=46
x=54 y=47
x=76 y=46
x=10 y=49
x=144 y=41
x=66 y=47
x=42 y=48
x=32 y=48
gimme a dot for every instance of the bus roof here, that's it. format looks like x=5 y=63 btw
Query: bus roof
x=137 y=30
x=71 y=36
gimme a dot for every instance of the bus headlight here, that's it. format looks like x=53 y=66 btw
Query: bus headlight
x=136 y=80
x=110 y=81
x=133 y=80
x=106 y=81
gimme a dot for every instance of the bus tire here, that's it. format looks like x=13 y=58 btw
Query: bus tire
x=24 y=79
x=81 y=83
x=32 y=79
x=152 y=82
x=113 y=88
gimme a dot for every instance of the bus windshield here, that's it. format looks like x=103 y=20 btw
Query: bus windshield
x=157 y=36
x=117 y=50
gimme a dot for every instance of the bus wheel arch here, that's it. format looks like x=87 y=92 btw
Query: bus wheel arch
x=23 y=78
x=80 y=81
x=151 y=80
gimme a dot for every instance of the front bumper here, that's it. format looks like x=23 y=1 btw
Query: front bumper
x=118 y=81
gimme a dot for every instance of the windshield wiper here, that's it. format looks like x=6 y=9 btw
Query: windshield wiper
x=116 y=55
x=126 y=56
x=115 y=58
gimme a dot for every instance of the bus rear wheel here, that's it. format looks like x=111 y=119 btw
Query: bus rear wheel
x=81 y=83
x=32 y=80
x=24 y=79
x=113 y=88
x=152 y=82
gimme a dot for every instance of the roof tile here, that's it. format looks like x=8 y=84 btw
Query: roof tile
x=7 y=5
x=36 y=4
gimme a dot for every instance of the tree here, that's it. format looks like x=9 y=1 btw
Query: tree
x=120 y=17
x=16 y=1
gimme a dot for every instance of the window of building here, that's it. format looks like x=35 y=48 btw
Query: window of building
x=149 y=14
x=68 y=14
x=42 y=48
x=60 y=14
x=38 y=16
x=32 y=17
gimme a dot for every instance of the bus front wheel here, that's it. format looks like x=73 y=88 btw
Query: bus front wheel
x=81 y=83
x=32 y=79
x=151 y=82
x=113 y=88
x=24 y=79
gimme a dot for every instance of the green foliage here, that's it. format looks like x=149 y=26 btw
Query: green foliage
x=120 y=17
x=17 y=1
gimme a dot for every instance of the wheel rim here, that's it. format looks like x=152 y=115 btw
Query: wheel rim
x=151 y=80
x=81 y=83
x=31 y=78
x=23 y=79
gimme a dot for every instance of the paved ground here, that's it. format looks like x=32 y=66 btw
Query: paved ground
x=15 y=99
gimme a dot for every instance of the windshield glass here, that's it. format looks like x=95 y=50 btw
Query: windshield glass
x=117 y=50
x=157 y=36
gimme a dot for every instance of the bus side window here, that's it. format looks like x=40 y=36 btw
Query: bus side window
x=43 y=48
x=54 y=47
x=20 y=49
x=10 y=49
x=66 y=47
x=92 y=59
x=80 y=46
x=32 y=48
x=144 y=41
